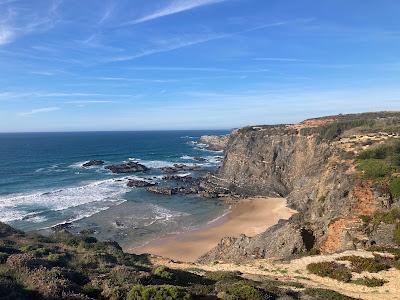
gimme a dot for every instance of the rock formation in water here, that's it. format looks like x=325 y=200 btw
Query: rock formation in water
x=92 y=163
x=316 y=165
x=130 y=167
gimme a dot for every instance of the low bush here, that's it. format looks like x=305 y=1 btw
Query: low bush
x=370 y=282
x=3 y=257
x=158 y=292
x=162 y=272
x=374 y=168
x=394 y=187
x=394 y=251
x=330 y=269
x=366 y=264
x=326 y=294
x=242 y=291
x=379 y=152
x=387 y=217
x=223 y=275
x=396 y=234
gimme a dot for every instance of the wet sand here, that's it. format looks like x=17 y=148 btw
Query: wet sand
x=250 y=216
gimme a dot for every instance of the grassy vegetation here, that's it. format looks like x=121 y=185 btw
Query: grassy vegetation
x=396 y=234
x=160 y=292
x=223 y=275
x=326 y=294
x=369 y=282
x=381 y=164
x=331 y=131
x=330 y=269
x=365 y=264
x=243 y=291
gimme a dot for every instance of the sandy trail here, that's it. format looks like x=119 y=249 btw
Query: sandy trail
x=250 y=217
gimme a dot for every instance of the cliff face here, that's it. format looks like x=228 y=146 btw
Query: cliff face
x=316 y=175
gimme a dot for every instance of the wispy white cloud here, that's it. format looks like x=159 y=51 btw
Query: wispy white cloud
x=106 y=14
x=187 y=41
x=16 y=22
x=279 y=59
x=89 y=101
x=38 y=111
x=39 y=94
x=173 y=7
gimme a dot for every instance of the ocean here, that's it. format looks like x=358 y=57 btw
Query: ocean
x=43 y=183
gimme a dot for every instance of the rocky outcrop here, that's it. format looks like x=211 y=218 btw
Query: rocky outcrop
x=139 y=183
x=92 y=163
x=314 y=169
x=214 y=142
x=180 y=167
x=130 y=167
x=282 y=240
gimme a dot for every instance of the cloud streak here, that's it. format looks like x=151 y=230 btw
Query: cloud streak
x=38 y=111
x=183 y=42
x=16 y=22
x=174 y=7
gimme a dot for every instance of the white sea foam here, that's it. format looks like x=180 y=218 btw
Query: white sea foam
x=17 y=206
x=187 y=157
x=78 y=165
x=155 y=164
x=162 y=214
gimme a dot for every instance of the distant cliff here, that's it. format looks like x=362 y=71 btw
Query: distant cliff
x=313 y=165
x=214 y=142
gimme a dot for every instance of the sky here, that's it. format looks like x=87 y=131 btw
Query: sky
x=73 y=65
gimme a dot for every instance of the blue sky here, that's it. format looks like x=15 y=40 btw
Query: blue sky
x=192 y=64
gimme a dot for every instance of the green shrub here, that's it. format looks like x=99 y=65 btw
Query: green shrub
x=158 y=292
x=394 y=187
x=380 y=152
x=311 y=252
x=396 y=264
x=57 y=259
x=3 y=257
x=394 y=251
x=396 y=234
x=365 y=219
x=387 y=217
x=242 y=291
x=223 y=275
x=374 y=168
x=370 y=282
x=330 y=269
x=326 y=294
x=163 y=272
x=360 y=264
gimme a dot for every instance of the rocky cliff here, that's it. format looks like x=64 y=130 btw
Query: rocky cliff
x=313 y=165
x=214 y=142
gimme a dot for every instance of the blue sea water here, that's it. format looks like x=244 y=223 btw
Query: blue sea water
x=43 y=183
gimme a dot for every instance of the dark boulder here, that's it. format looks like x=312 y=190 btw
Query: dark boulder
x=129 y=167
x=139 y=183
x=180 y=167
x=93 y=162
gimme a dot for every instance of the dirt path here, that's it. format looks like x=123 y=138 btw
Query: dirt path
x=295 y=270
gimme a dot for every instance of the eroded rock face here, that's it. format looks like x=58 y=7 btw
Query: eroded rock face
x=283 y=240
x=130 y=167
x=318 y=178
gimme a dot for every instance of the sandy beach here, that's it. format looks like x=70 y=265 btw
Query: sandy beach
x=250 y=216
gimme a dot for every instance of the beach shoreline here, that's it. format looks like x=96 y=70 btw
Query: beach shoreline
x=249 y=216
